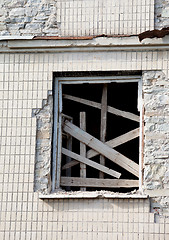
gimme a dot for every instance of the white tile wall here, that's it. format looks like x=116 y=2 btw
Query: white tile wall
x=95 y=17
x=24 y=82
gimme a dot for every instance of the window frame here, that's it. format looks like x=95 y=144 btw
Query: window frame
x=57 y=123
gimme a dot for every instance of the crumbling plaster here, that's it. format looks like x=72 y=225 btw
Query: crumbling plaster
x=42 y=177
x=156 y=129
x=27 y=17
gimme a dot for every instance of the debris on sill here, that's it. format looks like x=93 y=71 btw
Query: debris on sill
x=95 y=194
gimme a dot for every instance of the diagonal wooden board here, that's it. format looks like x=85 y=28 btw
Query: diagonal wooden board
x=102 y=148
x=112 y=143
x=95 y=182
x=112 y=110
x=91 y=163
x=116 y=141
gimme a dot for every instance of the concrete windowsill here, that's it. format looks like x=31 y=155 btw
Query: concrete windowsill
x=97 y=194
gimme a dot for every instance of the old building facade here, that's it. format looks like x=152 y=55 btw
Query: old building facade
x=54 y=55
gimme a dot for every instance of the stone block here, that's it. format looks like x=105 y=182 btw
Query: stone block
x=17 y=12
x=165 y=13
x=16 y=26
x=33 y=26
x=2 y=27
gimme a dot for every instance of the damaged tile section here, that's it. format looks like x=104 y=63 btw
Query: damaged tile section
x=156 y=149
x=161 y=21
x=44 y=117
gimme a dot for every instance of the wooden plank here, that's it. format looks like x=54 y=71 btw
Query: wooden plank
x=95 y=182
x=68 y=146
x=111 y=143
x=68 y=159
x=82 y=148
x=102 y=148
x=103 y=124
x=124 y=114
x=91 y=163
x=112 y=110
x=71 y=164
x=116 y=141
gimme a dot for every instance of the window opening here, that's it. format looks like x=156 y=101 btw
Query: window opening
x=97 y=133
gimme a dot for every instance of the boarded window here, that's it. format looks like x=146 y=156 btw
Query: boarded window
x=96 y=133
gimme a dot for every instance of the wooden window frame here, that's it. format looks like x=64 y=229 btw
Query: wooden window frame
x=57 y=124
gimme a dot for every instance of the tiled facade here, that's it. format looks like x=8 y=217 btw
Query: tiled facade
x=25 y=79
x=86 y=219
x=83 y=18
x=75 y=18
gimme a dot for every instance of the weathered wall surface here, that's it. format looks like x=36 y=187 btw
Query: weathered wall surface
x=109 y=17
x=44 y=116
x=75 y=18
x=88 y=219
x=27 y=17
x=156 y=154
x=25 y=79
x=44 y=17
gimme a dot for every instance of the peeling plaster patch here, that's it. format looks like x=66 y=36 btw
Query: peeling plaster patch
x=42 y=181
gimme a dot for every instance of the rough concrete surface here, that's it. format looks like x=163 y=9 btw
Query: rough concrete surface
x=161 y=14
x=156 y=149
x=42 y=181
x=27 y=17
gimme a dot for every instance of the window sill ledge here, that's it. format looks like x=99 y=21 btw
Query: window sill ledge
x=98 y=194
